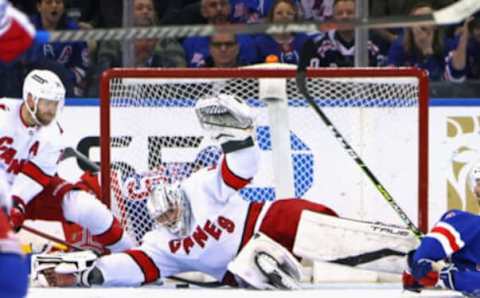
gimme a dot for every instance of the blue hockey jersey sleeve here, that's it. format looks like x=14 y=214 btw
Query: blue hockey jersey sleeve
x=457 y=232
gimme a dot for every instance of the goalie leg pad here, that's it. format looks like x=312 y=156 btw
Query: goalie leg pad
x=373 y=246
x=63 y=269
x=265 y=264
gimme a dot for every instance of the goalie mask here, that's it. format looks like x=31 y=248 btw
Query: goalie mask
x=169 y=207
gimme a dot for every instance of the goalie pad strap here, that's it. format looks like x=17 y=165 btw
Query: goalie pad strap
x=150 y=271
x=232 y=146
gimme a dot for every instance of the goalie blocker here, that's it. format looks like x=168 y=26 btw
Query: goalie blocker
x=367 y=245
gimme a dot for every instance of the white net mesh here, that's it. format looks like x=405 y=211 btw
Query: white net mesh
x=155 y=138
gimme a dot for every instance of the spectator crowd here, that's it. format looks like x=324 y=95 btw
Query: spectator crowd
x=448 y=53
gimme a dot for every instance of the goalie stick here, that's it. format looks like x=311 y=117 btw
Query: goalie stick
x=451 y=14
x=301 y=81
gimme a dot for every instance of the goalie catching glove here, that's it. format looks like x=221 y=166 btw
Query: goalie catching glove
x=66 y=269
x=225 y=117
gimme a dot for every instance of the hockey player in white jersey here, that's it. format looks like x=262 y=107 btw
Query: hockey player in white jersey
x=30 y=149
x=16 y=32
x=205 y=225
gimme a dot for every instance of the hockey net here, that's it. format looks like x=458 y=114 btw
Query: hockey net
x=149 y=134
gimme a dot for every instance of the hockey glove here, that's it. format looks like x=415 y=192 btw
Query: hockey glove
x=447 y=275
x=410 y=284
x=423 y=272
x=225 y=117
x=17 y=213
x=420 y=274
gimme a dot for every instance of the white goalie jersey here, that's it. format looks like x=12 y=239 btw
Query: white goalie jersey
x=219 y=224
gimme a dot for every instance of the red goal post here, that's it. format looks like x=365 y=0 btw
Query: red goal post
x=147 y=124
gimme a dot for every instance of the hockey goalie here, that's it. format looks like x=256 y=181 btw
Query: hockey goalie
x=204 y=224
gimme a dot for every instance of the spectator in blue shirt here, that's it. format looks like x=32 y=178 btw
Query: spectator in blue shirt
x=73 y=56
x=337 y=47
x=244 y=11
x=466 y=57
x=473 y=50
x=216 y=12
x=424 y=47
x=285 y=46
x=317 y=10
x=224 y=51
x=265 y=7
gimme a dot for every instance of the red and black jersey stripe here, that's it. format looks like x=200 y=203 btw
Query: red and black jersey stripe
x=231 y=179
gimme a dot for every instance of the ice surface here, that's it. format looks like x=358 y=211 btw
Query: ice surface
x=342 y=290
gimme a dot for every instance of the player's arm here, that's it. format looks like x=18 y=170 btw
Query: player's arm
x=34 y=176
x=455 y=229
x=450 y=234
x=230 y=122
x=16 y=32
x=456 y=60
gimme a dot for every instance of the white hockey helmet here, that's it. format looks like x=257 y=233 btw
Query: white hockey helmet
x=43 y=84
x=169 y=207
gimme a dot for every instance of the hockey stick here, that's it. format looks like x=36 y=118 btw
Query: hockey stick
x=51 y=238
x=72 y=152
x=301 y=81
x=451 y=14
